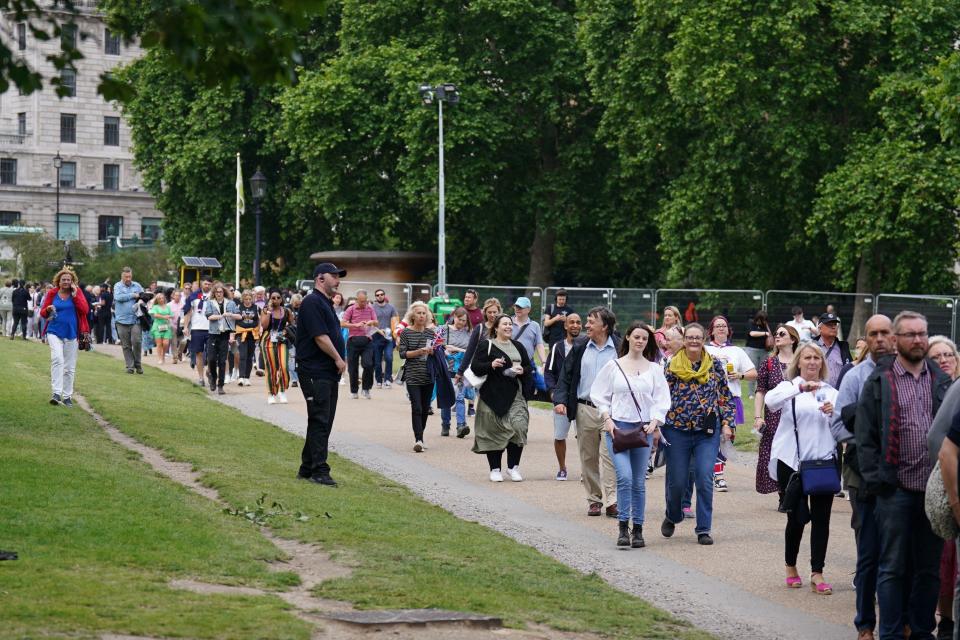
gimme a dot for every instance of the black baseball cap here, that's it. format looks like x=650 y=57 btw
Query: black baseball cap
x=829 y=317
x=328 y=267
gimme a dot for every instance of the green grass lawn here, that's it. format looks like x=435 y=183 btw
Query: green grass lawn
x=101 y=534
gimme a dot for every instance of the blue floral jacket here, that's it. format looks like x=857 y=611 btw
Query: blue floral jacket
x=691 y=400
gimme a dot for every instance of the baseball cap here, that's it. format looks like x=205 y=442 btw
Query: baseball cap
x=523 y=302
x=328 y=267
x=828 y=317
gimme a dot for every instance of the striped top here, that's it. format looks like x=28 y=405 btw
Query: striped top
x=415 y=371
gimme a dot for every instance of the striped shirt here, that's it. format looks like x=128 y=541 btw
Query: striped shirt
x=914 y=400
x=415 y=370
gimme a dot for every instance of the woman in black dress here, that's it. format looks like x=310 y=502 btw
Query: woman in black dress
x=769 y=374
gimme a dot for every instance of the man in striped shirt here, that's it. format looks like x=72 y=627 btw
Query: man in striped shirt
x=896 y=409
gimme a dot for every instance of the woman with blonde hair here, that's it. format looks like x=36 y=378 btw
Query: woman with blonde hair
x=65 y=308
x=671 y=318
x=162 y=329
x=415 y=347
x=247 y=334
x=805 y=400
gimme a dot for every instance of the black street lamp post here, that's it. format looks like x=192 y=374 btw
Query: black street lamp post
x=258 y=187
x=57 y=163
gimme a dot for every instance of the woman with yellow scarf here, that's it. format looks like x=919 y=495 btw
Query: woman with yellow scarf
x=701 y=412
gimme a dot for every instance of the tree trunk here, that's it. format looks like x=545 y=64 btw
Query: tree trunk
x=543 y=250
x=865 y=288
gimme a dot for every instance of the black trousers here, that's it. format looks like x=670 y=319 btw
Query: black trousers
x=218 y=346
x=360 y=351
x=19 y=319
x=103 y=333
x=248 y=346
x=321 y=397
x=514 y=451
x=818 y=510
x=419 y=405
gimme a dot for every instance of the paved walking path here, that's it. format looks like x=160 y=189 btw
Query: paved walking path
x=734 y=588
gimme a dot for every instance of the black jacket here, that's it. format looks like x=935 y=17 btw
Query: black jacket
x=877 y=443
x=476 y=336
x=569 y=379
x=554 y=364
x=499 y=390
x=845 y=356
x=20 y=299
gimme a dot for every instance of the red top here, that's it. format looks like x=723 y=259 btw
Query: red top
x=79 y=303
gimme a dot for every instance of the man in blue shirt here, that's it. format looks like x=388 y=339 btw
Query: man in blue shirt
x=319 y=367
x=572 y=399
x=126 y=294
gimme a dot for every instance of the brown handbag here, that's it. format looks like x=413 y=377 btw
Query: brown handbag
x=624 y=439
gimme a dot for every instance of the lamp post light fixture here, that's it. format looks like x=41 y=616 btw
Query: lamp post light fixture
x=441 y=93
x=258 y=187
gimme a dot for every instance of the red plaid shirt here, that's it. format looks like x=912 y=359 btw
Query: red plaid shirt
x=915 y=405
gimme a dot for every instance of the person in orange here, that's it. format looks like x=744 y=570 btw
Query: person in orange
x=273 y=345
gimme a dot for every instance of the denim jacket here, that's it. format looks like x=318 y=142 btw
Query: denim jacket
x=125 y=301
x=224 y=325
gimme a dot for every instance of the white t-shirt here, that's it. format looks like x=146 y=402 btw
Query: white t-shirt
x=805 y=329
x=813 y=426
x=198 y=320
x=741 y=363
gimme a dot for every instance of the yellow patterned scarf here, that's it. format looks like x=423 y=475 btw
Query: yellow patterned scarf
x=681 y=367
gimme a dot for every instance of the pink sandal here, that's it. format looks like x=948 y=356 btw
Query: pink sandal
x=821 y=588
x=794 y=582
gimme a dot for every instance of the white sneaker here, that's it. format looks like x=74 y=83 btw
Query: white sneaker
x=387 y=384
x=272 y=399
x=418 y=447
x=342 y=382
x=366 y=394
x=354 y=395
x=282 y=398
x=235 y=376
x=514 y=474
x=496 y=476
x=244 y=382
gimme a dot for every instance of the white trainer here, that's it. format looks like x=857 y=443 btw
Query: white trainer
x=496 y=476
x=515 y=474
x=272 y=399
x=282 y=398
x=418 y=447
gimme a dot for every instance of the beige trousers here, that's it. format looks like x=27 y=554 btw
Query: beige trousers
x=599 y=477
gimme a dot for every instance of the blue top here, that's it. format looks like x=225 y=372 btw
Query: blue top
x=594 y=358
x=850 y=388
x=125 y=302
x=64 y=326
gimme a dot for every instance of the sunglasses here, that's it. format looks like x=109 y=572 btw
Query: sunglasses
x=782 y=334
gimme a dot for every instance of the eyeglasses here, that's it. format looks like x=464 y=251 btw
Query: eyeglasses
x=782 y=334
x=693 y=338
x=274 y=297
x=913 y=335
x=943 y=356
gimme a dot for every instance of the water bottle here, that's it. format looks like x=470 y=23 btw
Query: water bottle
x=821 y=396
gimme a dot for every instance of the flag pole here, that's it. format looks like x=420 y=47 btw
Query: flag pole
x=237 y=247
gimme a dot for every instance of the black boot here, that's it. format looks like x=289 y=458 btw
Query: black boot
x=638 y=542
x=945 y=629
x=624 y=539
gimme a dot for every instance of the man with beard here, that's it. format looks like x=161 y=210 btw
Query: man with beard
x=880 y=344
x=896 y=408
x=561 y=423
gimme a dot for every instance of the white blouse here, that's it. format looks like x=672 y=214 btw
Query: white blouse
x=741 y=363
x=612 y=396
x=813 y=426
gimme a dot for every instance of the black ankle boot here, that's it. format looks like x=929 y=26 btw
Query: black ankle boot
x=638 y=537
x=624 y=539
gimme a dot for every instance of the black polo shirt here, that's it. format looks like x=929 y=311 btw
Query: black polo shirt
x=317 y=318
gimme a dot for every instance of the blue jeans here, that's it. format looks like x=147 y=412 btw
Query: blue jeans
x=699 y=450
x=459 y=406
x=631 y=468
x=868 y=554
x=382 y=355
x=909 y=561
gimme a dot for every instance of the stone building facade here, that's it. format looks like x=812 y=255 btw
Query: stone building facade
x=101 y=195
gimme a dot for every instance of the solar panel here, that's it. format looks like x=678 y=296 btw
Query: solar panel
x=211 y=262
x=190 y=261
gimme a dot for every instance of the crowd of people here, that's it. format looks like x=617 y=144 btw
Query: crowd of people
x=873 y=420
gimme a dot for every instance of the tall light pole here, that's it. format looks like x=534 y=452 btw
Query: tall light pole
x=440 y=93
x=258 y=188
x=57 y=163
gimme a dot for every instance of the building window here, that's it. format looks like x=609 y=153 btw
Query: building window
x=68 y=127
x=111 y=177
x=68 y=226
x=111 y=43
x=150 y=229
x=22 y=124
x=109 y=227
x=68 y=80
x=111 y=131
x=9 y=218
x=68 y=175
x=21 y=35
x=68 y=37
x=8 y=171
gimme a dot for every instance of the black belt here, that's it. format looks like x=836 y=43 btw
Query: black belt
x=586 y=402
